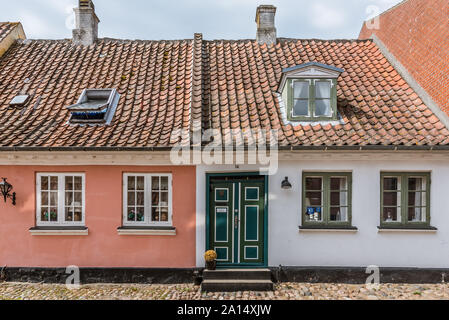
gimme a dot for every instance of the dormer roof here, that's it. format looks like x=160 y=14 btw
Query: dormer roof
x=310 y=70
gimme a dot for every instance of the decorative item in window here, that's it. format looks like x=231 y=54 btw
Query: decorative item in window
x=147 y=200
x=5 y=189
x=405 y=200
x=211 y=260
x=60 y=200
x=286 y=185
x=327 y=199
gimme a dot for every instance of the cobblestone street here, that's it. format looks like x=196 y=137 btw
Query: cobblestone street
x=285 y=291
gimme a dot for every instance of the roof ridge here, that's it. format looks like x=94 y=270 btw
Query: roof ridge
x=197 y=90
x=106 y=39
x=112 y=40
x=292 y=39
x=325 y=40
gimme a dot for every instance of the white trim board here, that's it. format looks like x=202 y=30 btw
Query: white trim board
x=163 y=159
x=138 y=232
x=66 y=233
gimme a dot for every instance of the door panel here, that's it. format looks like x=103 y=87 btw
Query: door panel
x=237 y=221
x=252 y=222
x=221 y=221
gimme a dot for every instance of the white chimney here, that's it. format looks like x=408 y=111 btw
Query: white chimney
x=265 y=19
x=86 y=32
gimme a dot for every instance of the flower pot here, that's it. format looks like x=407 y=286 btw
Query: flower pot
x=211 y=265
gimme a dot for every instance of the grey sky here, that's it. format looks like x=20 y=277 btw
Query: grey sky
x=216 y=19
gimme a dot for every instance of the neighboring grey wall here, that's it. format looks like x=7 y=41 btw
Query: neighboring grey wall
x=289 y=247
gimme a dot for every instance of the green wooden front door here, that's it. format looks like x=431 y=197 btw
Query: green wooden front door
x=237 y=221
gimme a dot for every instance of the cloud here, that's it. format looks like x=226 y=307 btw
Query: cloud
x=58 y=5
x=217 y=19
x=324 y=16
x=34 y=24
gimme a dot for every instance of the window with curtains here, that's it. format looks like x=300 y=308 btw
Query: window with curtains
x=147 y=200
x=327 y=199
x=60 y=199
x=405 y=199
x=312 y=99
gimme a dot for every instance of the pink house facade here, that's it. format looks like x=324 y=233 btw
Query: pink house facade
x=100 y=238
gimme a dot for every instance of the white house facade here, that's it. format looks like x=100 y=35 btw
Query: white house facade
x=367 y=240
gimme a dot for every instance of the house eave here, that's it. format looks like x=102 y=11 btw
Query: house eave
x=246 y=148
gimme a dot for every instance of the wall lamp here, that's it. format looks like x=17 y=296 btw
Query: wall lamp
x=5 y=189
x=286 y=185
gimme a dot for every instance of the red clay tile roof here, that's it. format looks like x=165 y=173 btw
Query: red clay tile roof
x=378 y=107
x=416 y=32
x=169 y=86
x=153 y=78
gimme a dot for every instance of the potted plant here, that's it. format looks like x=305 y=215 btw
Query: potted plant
x=211 y=260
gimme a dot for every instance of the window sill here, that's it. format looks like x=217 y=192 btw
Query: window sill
x=328 y=229
x=407 y=230
x=59 y=231
x=147 y=231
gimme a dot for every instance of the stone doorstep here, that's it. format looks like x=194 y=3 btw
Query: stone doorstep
x=236 y=285
x=233 y=280
x=238 y=274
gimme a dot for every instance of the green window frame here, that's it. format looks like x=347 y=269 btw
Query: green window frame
x=335 y=200
x=405 y=204
x=313 y=100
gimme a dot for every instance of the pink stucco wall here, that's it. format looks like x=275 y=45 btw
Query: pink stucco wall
x=103 y=247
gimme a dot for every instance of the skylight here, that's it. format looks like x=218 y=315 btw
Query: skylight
x=95 y=106
x=19 y=100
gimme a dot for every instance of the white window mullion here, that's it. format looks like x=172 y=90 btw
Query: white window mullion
x=147 y=199
x=83 y=197
x=39 y=200
x=170 y=202
x=125 y=198
x=61 y=199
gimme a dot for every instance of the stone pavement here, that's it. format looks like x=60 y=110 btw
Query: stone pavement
x=285 y=291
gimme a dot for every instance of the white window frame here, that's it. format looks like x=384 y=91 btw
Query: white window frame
x=61 y=201
x=147 y=200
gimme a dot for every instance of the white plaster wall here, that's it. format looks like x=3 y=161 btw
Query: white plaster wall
x=289 y=247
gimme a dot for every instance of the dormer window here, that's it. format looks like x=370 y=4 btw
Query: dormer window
x=311 y=99
x=95 y=106
x=309 y=92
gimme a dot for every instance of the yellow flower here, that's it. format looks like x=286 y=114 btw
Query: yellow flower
x=210 y=256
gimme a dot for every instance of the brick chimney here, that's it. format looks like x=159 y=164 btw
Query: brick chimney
x=86 y=32
x=265 y=19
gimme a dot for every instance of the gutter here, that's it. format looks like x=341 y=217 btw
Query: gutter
x=281 y=148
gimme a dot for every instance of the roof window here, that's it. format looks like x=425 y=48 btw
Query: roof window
x=95 y=106
x=19 y=100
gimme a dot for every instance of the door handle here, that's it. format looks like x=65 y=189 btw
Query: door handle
x=236 y=222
